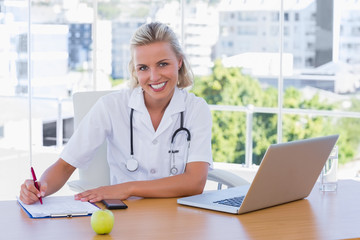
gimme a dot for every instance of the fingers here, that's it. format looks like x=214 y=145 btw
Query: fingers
x=28 y=192
x=105 y=192
x=43 y=188
x=93 y=195
x=88 y=196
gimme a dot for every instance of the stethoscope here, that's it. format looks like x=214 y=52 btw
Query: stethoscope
x=132 y=164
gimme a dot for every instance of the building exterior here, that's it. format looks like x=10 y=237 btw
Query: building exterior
x=253 y=26
x=316 y=33
x=349 y=33
x=317 y=52
x=122 y=30
x=200 y=32
x=79 y=45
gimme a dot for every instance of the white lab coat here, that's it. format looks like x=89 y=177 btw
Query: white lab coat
x=109 y=120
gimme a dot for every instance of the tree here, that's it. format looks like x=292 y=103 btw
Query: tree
x=229 y=86
x=349 y=131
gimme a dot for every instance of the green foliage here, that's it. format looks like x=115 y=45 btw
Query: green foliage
x=229 y=86
x=108 y=10
x=112 y=9
x=141 y=12
x=115 y=82
x=349 y=134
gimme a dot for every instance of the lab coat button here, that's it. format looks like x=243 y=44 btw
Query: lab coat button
x=155 y=142
x=152 y=171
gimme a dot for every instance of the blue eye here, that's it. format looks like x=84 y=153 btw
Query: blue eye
x=163 y=64
x=143 y=68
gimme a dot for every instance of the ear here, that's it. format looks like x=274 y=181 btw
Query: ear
x=180 y=62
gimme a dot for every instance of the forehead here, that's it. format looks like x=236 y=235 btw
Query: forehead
x=153 y=52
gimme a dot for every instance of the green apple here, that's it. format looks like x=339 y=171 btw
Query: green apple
x=102 y=221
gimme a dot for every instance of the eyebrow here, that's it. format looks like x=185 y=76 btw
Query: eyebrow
x=165 y=59
x=162 y=60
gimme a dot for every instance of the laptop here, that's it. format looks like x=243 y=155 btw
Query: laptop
x=288 y=172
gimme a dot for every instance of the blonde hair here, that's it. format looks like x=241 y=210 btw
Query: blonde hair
x=159 y=32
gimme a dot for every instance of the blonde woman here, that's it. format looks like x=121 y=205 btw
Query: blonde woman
x=158 y=134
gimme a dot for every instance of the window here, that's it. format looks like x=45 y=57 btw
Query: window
x=286 y=31
x=22 y=43
x=297 y=17
x=286 y=17
x=246 y=30
x=70 y=52
x=275 y=16
x=355 y=31
x=1 y=131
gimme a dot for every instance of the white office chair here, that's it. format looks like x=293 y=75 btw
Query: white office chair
x=97 y=173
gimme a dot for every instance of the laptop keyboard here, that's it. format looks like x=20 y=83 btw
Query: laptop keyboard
x=234 y=202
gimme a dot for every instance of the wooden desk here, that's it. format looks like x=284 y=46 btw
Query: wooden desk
x=320 y=216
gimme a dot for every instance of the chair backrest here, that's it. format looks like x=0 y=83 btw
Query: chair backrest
x=97 y=173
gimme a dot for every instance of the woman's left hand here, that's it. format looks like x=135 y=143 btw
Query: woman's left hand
x=120 y=191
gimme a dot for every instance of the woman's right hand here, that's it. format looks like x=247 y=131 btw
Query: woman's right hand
x=28 y=192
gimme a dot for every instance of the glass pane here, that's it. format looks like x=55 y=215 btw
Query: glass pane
x=234 y=49
x=14 y=124
x=345 y=68
x=322 y=40
x=65 y=58
x=50 y=81
x=117 y=21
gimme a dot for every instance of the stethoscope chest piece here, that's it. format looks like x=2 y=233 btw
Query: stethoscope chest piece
x=173 y=171
x=132 y=164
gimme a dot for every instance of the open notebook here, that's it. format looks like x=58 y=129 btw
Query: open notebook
x=59 y=206
x=287 y=173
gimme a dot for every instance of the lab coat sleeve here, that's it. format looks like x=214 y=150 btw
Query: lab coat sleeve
x=90 y=134
x=200 y=124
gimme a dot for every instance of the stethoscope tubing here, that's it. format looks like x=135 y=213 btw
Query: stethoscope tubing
x=131 y=133
x=173 y=169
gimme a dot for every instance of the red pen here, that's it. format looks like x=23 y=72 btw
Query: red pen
x=35 y=182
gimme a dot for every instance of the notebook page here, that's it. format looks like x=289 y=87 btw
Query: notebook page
x=59 y=206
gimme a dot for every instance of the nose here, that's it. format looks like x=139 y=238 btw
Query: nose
x=154 y=75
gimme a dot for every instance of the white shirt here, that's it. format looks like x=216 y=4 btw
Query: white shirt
x=109 y=120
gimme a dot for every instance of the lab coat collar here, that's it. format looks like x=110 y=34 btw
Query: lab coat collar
x=136 y=100
x=176 y=105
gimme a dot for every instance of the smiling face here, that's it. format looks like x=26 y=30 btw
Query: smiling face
x=156 y=67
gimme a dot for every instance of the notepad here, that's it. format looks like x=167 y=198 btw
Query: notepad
x=59 y=206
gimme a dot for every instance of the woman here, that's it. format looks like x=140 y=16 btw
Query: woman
x=156 y=105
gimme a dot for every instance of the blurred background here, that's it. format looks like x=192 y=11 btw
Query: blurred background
x=271 y=70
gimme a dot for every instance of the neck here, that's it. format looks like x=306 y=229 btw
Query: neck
x=157 y=105
x=156 y=109
x=156 y=114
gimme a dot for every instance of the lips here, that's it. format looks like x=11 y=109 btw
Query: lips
x=158 y=87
